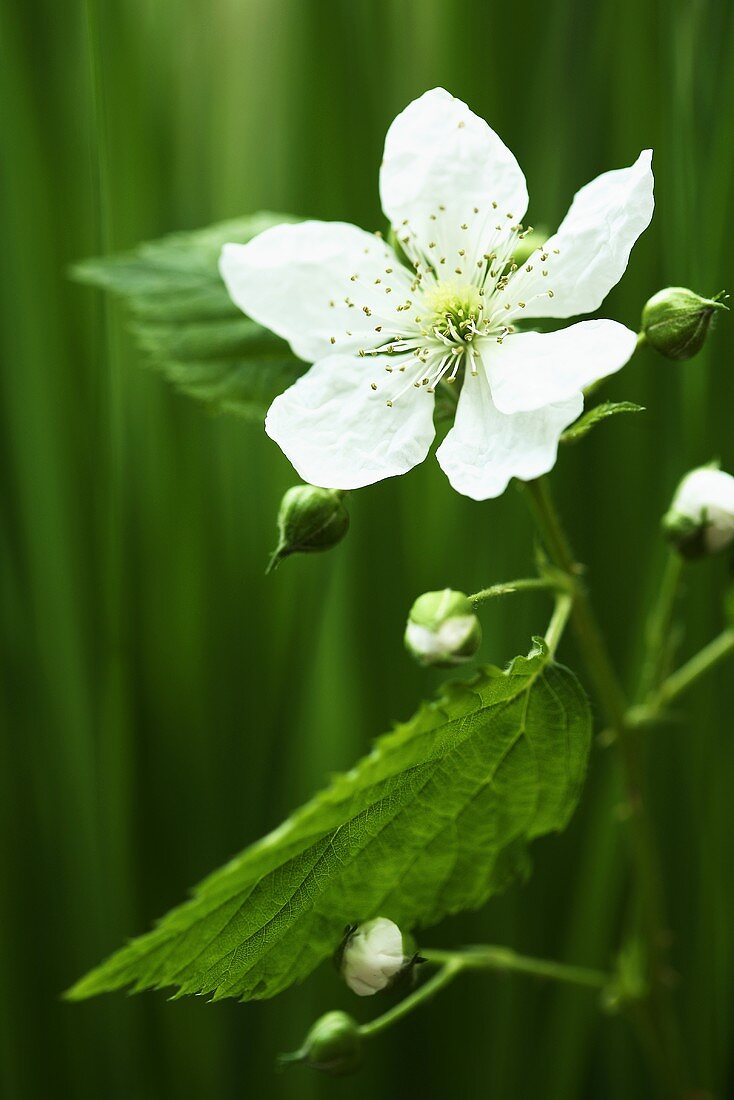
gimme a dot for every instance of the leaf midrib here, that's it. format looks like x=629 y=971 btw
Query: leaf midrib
x=430 y=766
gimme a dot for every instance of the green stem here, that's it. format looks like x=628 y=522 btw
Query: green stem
x=596 y=656
x=721 y=647
x=654 y=706
x=561 y=613
x=642 y=841
x=506 y=588
x=505 y=960
x=658 y=630
x=502 y=959
x=444 y=976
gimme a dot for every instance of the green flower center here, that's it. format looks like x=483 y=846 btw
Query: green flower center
x=455 y=309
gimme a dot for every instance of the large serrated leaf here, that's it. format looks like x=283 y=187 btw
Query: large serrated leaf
x=185 y=321
x=595 y=416
x=435 y=820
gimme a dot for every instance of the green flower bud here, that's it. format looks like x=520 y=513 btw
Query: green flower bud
x=310 y=519
x=442 y=629
x=676 y=321
x=700 y=521
x=333 y=1045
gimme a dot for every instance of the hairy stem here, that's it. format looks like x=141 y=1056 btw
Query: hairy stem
x=506 y=588
x=445 y=975
x=503 y=959
x=506 y=960
x=643 y=848
x=717 y=650
x=561 y=613
x=655 y=706
x=657 y=632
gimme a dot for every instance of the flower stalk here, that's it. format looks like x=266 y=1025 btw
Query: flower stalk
x=661 y=1020
x=561 y=614
x=684 y=678
x=450 y=970
x=501 y=959
x=508 y=588
x=658 y=629
x=505 y=960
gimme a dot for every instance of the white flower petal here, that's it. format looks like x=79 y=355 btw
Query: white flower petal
x=703 y=489
x=373 y=955
x=486 y=448
x=384 y=937
x=287 y=277
x=340 y=434
x=443 y=160
x=594 y=243
x=361 y=987
x=532 y=369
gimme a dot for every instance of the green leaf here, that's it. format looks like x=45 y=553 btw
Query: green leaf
x=186 y=322
x=595 y=416
x=436 y=819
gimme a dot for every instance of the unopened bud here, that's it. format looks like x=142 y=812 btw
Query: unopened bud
x=372 y=956
x=676 y=321
x=310 y=519
x=442 y=629
x=333 y=1045
x=701 y=518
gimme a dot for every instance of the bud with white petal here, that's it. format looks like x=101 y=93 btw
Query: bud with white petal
x=372 y=956
x=333 y=1045
x=701 y=518
x=442 y=629
x=676 y=321
x=309 y=519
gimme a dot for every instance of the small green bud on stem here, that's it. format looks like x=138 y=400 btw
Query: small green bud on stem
x=309 y=520
x=676 y=321
x=333 y=1045
x=442 y=629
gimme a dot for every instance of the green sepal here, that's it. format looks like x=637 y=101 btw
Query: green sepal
x=595 y=416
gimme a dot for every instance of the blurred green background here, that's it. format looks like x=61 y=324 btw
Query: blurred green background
x=164 y=702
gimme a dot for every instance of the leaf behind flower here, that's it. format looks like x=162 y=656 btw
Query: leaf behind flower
x=184 y=319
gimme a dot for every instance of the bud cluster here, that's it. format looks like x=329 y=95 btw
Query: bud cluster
x=371 y=957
